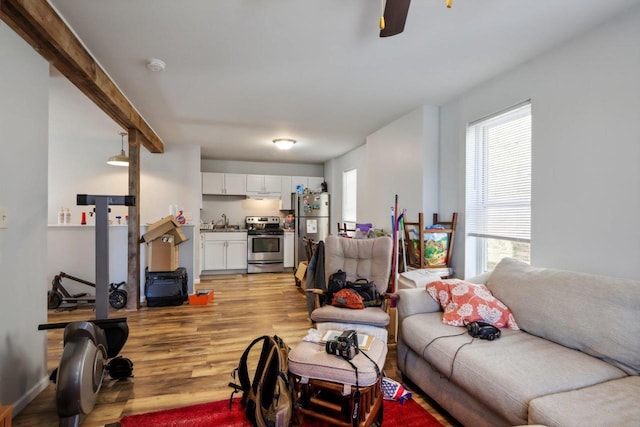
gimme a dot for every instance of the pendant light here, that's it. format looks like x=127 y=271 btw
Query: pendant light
x=121 y=159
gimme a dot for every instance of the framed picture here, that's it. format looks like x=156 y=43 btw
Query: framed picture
x=435 y=246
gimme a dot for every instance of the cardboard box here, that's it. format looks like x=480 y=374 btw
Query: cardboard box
x=301 y=271
x=167 y=225
x=163 y=254
x=162 y=239
x=201 y=298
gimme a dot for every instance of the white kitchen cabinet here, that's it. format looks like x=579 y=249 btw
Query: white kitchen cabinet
x=228 y=184
x=289 y=242
x=237 y=254
x=315 y=183
x=225 y=251
x=299 y=180
x=201 y=265
x=261 y=184
x=285 y=193
x=212 y=183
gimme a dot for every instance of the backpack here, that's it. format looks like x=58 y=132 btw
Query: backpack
x=267 y=399
x=337 y=281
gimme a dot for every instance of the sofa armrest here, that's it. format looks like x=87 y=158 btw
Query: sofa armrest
x=480 y=279
x=414 y=301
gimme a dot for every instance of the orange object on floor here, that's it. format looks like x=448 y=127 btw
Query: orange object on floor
x=201 y=298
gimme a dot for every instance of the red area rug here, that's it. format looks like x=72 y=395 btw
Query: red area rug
x=410 y=414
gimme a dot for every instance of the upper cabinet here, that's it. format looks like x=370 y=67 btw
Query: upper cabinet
x=313 y=183
x=262 y=184
x=285 y=193
x=299 y=180
x=224 y=183
x=259 y=186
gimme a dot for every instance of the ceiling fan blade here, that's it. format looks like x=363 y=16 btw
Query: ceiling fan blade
x=395 y=15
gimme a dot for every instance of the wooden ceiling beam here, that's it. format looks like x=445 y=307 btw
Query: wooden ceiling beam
x=41 y=26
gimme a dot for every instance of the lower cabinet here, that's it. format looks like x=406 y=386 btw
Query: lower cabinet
x=225 y=251
x=289 y=242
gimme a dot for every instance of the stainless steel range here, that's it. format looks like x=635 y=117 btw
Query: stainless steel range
x=265 y=244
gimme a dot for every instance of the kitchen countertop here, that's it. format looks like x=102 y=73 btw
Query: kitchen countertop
x=223 y=230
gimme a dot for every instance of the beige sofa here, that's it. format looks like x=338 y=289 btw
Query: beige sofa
x=575 y=361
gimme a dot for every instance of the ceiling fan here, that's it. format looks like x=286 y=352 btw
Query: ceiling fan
x=394 y=16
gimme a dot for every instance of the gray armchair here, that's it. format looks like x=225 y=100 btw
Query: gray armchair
x=359 y=258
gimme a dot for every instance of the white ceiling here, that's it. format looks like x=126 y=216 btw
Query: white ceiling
x=243 y=72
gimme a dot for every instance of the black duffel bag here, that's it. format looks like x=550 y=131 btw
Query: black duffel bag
x=337 y=282
x=368 y=291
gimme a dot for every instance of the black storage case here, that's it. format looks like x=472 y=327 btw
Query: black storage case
x=163 y=288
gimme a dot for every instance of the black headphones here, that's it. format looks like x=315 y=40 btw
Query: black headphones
x=482 y=330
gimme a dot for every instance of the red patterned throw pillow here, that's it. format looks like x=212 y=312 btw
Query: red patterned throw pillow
x=464 y=302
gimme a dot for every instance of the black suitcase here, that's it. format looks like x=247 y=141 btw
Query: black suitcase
x=164 y=288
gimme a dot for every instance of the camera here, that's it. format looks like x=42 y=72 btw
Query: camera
x=346 y=346
x=482 y=330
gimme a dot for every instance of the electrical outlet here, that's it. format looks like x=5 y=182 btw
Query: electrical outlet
x=4 y=218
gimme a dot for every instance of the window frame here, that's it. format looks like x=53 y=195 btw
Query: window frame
x=477 y=190
x=350 y=195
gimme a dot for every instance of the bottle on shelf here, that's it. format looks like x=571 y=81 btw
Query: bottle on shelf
x=61 y=215
x=67 y=216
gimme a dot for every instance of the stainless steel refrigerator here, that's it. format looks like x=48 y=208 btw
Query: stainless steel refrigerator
x=312 y=220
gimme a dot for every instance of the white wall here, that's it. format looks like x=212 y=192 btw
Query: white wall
x=402 y=159
x=586 y=149
x=24 y=79
x=355 y=159
x=236 y=208
x=77 y=165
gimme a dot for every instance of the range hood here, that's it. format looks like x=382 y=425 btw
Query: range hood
x=263 y=196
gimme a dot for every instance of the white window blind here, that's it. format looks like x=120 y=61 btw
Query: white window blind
x=349 y=195
x=498 y=181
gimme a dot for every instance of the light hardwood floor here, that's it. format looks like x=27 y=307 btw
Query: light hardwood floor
x=184 y=355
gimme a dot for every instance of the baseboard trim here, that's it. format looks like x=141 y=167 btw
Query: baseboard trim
x=38 y=388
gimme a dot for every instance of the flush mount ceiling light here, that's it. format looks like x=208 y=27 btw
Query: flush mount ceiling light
x=156 y=65
x=284 y=143
x=121 y=159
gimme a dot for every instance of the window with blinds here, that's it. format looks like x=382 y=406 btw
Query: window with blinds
x=498 y=185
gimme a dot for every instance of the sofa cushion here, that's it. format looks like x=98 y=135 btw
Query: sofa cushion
x=368 y=316
x=464 y=302
x=507 y=373
x=612 y=403
x=594 y=314
x=311 y=360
